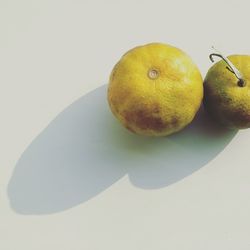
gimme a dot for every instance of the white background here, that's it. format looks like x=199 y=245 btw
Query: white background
x=79 y=180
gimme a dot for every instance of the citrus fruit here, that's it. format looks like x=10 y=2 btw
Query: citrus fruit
x=227 y=91
x=155 y=89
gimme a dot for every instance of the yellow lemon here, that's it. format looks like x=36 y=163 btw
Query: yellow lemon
x=227 y=91
x=155 y=89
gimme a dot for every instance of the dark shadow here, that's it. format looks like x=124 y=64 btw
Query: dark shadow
x=84 y=150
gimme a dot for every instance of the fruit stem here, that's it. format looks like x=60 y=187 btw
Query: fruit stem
x=230 y=67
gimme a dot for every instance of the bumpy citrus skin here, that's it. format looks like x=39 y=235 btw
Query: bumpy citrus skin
x=155 y=90
x=228 y=103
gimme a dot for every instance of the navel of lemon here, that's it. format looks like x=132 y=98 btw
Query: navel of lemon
x=155 y=89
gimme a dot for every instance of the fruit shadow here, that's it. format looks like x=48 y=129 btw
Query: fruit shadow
x=85 y=150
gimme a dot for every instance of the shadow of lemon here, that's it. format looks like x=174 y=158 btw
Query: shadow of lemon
x=84 y=150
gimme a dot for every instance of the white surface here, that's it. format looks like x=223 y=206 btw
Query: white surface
x=87 y=183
